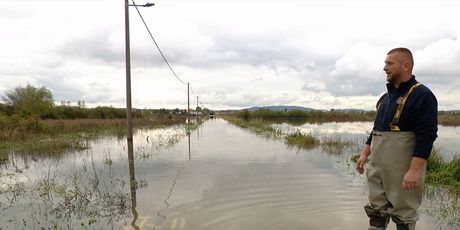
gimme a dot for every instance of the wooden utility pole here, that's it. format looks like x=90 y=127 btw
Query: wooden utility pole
x=188 y=97
x=129 y=114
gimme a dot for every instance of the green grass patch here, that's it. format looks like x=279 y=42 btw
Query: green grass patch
x=449 y=119
x=439 y=171
x=300 y=140
x=332 y=145
x=443 y=173
x=257 y=126
x=336 y=145
x=302 y=117
x=54 y=137
x=306 y=116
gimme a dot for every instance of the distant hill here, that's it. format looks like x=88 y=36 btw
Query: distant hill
x=281 y=108
x=349 y=110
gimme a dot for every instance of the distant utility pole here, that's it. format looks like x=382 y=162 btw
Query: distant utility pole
x=197 y=101
x=188 y=97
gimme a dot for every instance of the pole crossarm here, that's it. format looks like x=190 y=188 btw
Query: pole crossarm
x=145 y=5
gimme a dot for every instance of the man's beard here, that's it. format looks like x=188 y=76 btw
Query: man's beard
x=392 y=78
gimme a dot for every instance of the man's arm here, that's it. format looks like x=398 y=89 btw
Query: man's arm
x=363 y=158
x=426 y=127
x=414 y=174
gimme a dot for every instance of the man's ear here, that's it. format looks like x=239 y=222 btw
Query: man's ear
x=406 y=66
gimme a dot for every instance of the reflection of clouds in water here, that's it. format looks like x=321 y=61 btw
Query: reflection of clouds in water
x=447 y=140
x=223 y=184
x=330 y=127
x=344 y=127
x=144 y=140
x=103 y=151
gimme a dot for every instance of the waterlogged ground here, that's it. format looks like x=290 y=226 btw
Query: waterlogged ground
x=218 y=177
x=447 y=142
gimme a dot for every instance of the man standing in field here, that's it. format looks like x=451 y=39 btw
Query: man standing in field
x=401 y=141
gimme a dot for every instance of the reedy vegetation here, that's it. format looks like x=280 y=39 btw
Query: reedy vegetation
x=440 y=172
x=317 y=116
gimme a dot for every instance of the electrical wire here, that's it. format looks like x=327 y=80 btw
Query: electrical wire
x=191 y=89
x=159 y=50
x=156 y=44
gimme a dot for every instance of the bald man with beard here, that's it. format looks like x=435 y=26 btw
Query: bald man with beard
x=404 y=130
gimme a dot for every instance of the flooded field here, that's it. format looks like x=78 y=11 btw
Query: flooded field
x=217 y=177
x=447 y=142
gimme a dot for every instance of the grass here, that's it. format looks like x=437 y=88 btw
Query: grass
x=301 y=117
x=442 y=177
x=54 y=137
x=300 y=140
x=331 y=145
x=439 y=172
x=443 y=173
x=258 y=126
x=336 y=145
x=79 y=198
x=449 y=119
x=306 y=116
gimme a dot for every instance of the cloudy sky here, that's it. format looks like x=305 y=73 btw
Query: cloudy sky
x=235 y=54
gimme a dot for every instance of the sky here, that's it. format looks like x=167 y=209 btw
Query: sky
x=235 y=54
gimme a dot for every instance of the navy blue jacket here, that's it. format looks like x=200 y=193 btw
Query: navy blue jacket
x=420 y=115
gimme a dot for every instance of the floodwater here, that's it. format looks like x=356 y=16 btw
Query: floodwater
x=218 y=177
x=447 y=142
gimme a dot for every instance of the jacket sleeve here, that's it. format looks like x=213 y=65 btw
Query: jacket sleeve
x=377 y=107
x=426 y=124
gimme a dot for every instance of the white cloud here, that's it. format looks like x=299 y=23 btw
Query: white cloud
x=235 y=53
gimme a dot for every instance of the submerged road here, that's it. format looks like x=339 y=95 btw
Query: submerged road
x=235 y=179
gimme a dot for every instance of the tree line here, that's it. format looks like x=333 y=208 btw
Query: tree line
x=37 y=103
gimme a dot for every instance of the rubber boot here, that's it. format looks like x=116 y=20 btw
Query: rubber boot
x=377 y=220
x=400 y=225
x=378 y=223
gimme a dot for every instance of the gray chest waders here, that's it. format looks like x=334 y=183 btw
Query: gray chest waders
x=391 y=157
x=392 y=153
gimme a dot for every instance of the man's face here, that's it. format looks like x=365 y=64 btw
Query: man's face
x=393 y=68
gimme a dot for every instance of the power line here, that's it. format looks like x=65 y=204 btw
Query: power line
x=193 y=93
x=156 y=44
x=159 y=50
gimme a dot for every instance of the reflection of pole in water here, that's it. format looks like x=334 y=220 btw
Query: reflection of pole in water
x=170 y=193
x=132 y=183
x=198 y=133
x=189 y=153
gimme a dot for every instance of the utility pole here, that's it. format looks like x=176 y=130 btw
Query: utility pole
x=129 y=114
x=188 y=97
x=197 y=101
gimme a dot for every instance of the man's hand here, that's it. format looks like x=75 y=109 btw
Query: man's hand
x=363 y=159
x=414 y=174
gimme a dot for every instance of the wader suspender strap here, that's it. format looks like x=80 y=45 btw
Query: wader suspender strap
x=379 y=102
x=402 y=102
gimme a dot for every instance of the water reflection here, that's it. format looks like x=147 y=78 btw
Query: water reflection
x=161 y=213
x=170 y=194
x=132 y=182
x=189 y=150
x=236 y=180
x=447 y=141
x=86 y=189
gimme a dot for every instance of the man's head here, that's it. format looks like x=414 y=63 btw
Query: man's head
x=398 y=65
